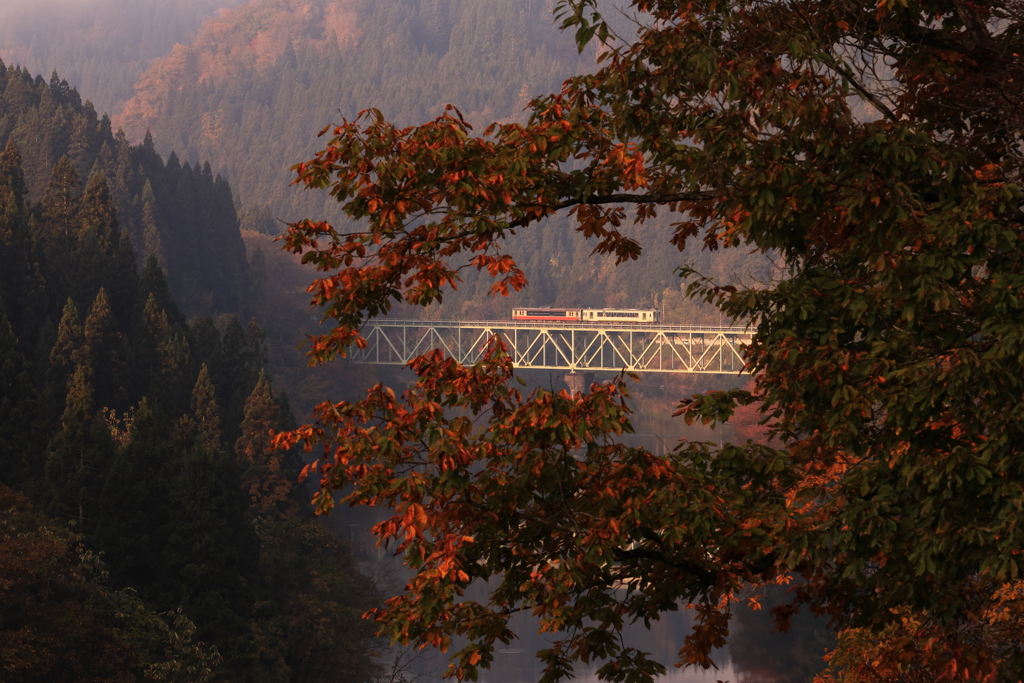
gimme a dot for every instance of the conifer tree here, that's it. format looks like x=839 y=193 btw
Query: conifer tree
x=256 y=347
x=60 y=210
x=64 y=353
x=98 y=241
x=51 y=123
x=234 y=377
x=17 y=405
x=10 y=169
x=19 y=95
x=206 y=344
x=134 y=505
x=69 y=350
x=122 y=281
x=79 y=146
x=206 y=413
x=22 y=285
x=152 y=242
x=263 y=478
x=160 y=351
x=97 y=217
x=212 y=550
x=124 y=173
x=104 y=352
x=291 y=459
x=175 y=525
x=78 y=457
x=152 y=282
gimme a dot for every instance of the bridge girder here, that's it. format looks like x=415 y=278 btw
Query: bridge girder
x=562 y=346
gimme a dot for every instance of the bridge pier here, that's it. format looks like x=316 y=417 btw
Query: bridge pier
x=578 y=382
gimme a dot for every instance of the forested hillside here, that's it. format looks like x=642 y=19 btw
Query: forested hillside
x=147 y=527
x=180 y=213
x=100 y=46
x=257 y=84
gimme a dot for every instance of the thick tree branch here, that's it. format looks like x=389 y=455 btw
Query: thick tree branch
x=705 y=577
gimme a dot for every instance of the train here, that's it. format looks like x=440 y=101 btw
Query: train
x=641 y=316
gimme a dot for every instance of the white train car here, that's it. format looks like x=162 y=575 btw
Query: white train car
x=645 y=316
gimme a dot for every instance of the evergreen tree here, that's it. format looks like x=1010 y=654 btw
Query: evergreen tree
x=263 y=478
x=77 y=457
x=206 y=413
x=134 y=505
x=17 y=405
x=256 y=347
x=104 y=352
x=22 y=286
x=234 y=376
x=314 y=579
x=160 y=353
x=69 y=350
x=98 y=241
x=122 y=282
x=291 y=461
x=97 y=217
x=212 y=551
x=187 y=218
x=10 y=168
x=65 y=353
x=80 y=146
x=60 y=213
x=206 y=342
x=152 y=242
x=152 y=282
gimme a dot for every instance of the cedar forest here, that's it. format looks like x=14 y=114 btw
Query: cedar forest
x=148 y=526
x=843 y=176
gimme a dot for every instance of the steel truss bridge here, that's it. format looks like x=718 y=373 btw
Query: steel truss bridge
x=583 y=347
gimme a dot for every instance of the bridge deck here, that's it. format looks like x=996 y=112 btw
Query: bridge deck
x=584 y=347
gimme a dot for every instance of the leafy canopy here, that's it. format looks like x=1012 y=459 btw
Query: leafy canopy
x=874 y=148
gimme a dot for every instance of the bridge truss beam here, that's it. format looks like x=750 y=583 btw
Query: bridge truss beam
x=562 y=346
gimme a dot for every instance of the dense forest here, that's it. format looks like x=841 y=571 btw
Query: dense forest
x=101 y=46
x=257 y=83
x=249 y=92
x=147 y=527
x=147 y=530
x=180 y=213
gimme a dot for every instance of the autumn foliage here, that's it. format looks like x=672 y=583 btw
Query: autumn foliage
x=872 y=147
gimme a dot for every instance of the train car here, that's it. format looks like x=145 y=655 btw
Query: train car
x=566 y=315
x=620 y=315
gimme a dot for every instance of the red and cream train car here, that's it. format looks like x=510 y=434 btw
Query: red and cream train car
x=568 y=315
x=598 y=315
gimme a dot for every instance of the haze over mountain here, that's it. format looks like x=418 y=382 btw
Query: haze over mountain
x=135 y=463
x=244 y=87
x=259 y=81
x=99 y=46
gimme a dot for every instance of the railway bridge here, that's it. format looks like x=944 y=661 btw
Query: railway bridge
x=566 y=346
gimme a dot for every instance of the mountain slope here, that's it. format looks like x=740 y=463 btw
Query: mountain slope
x=181 y=213
x=103 y=46
x=257 y=84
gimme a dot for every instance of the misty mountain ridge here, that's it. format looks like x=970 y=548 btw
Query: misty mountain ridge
x=100 y=46
x=252 y=36
x=258 y=82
